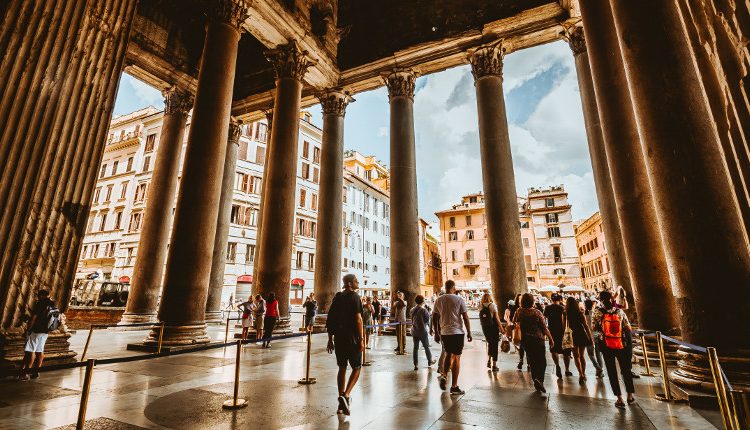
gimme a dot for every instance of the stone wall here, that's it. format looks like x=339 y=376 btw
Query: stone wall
x=82 y=317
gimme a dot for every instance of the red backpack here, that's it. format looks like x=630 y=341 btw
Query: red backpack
x=612 y=330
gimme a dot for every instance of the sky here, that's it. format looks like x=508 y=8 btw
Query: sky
x=545 y=120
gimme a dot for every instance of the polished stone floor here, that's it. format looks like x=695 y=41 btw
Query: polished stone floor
x=186 y=392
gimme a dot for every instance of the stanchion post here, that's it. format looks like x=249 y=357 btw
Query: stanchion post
x=364 y=351
x=307 y=380
x=645 y=358
x=85 y=393
x=161 y=337
x=740 y=409
x=234 y=402
x=721 y=389
x=667 y=395
x=226 y=332
x=86 y=346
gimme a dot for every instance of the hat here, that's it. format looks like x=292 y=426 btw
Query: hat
x=556 y=297
x=511 y=303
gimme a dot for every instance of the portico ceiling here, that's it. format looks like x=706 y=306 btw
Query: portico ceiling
x=353 y=41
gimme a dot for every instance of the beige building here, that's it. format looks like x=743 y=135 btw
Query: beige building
x=592 y=251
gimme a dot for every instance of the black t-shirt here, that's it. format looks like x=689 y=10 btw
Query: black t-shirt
x=40 y=311
x=554 y=314
x=342 y=317
x=310 y=307
x=376 y=308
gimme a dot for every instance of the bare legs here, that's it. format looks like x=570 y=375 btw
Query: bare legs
x=580 y=361
x=346 y=390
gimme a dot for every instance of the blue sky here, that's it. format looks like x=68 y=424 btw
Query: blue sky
x=548 y=137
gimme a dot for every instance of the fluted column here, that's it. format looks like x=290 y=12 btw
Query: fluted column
x=507 y=268
x=60 y=62
x=258 y=229
x=602 y=181
x=705 y=241
x=152 y=246
x=404 y=218
x=641 y=234
x=330 y=224
x=183 y=302
x=274 y=265
x=219 y=259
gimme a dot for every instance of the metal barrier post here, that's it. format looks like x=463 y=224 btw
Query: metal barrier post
x=740 y=409
x=721 y=389
x=401 y=334
x=85 y=393
x=226 y=333
x=645 y=358
x=161 y=336
x=86 y=347
x=307 y=380
x=234 y=402
x=364 y=351
x=667 y=396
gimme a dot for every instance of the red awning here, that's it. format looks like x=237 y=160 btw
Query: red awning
x=245 y=278
x=124 y=279
x=298 y=281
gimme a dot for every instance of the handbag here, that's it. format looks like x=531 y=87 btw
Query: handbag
x=517 y=334
x=567 y=340
x=505 y=344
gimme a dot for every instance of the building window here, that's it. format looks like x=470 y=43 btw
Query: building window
x=146 y=164
x=260 y=155
x=346 y=262
x=316 y=155
x=103 y=171
x=468 y=220
x=316 y=175
x=452 y=222
x=150 y=142
x=470 y=234
x=83 y=252
x=103 y=221
x=129 y=260
x=524 y=224
x=559 y=271
x=108 y=194
x=526 y=242
x=549 y=202
x=114 y=167
x=455 y=272
x=314 y=202
x=556 y=254
x=242 y=149
x=129 y=167
x=97 y=191
x=249 y=254
x=302 y=197
x=298 y=262
x=311 y=261
x=553 y=231
x=118 y=220
x=305 y=171
x=527 y=262
x=135 y=221
x=95 y=251
x=551 y=218
x=231 y=252
x=452 y=236
x=530 y=278
x=375 y=269
x=306 y=150
x=123 y=190
x=472 y=271
x=109 y=249
x=470 y=256
x=140 y=192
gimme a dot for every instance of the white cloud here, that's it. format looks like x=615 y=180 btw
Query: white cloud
x=145 y=93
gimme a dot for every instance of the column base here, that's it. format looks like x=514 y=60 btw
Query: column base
x=282 y=327
x=319 y=325
x=56 y=350
x=132 y=318
x=179 y=335
x=693 y=372
x=214 y=318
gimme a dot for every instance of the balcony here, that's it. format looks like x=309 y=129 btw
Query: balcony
x=470 y=262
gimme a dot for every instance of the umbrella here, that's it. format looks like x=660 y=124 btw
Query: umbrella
x=549 y=289
x=573 y=289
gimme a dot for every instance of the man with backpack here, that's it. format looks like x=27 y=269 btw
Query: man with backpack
x=45 y=317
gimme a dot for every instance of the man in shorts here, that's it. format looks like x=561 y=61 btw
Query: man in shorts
x=36 y=336
x=449 y=317
x=346 y=337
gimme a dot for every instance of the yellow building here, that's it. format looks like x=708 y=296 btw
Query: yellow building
x=592 y=251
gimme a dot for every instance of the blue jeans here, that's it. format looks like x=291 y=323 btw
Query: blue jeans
x=425 y=341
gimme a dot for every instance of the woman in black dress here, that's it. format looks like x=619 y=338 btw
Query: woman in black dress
x=576 y=321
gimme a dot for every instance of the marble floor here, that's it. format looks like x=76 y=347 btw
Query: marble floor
x=186 y=392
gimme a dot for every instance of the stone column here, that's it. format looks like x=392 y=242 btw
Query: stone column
x=60 y=63
x=183 y=302
x=635 y=206
x=219 y=260
x=280 y=179
x=602 y=181
x=507 y=268
x=152 y=246
x=705 y=241
x=330 y=225
x=404 y=218
x=256 y=261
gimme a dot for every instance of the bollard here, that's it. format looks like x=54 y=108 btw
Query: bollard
x=85 y=393
x=86 y=347
x=645 y=358
x=721 y=389
x=667 y=395
x=161 y=336
x=364 y=351
x=307 y=380
x=234 y=402
x=740 y=409
x=226 y=333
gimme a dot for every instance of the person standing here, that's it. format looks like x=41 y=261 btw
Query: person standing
x=610 y=325
x=247 y=309
x=451 y=315
x=346 y=337
x=376 y=310
x=45 y=317
x=490 y=321
x=555 y=314
x=510 y=313
x=367 y=313
x=420 y=319
x=259 y=313
x=581 y=334
x=269 y=322
x=311 y=308
x=399 y=312
x=595 y=354
x=533 y=331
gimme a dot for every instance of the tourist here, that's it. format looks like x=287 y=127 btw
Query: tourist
x=420 y=319
x=533 y=332
x=345 y=336
x=555 y=314
x=45 y=317
x=609 y=323
x=490 y=321
x=247 y=316
x=269 y=322
x=259 y=313
x=399 y=313
x=510 y=313
x=311 y=308
x=375 y=310
x=383 y=315
x=452 y=315
x=581 y=332
x=367 y=312
x=595 y=354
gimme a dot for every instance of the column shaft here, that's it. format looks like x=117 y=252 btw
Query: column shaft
x=507 y=269
x=635 y=207
x=152 y=246
x=219 y=259
x=404 y=219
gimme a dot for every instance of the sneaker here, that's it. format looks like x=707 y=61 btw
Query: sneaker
x=455 y=391
x=581 y=380
x=558 y=372
x=635 y=375
x=344 y=405
x=520 y=365
x=431 y=362
x=538 y=386
x=495 y=368
x=24 y=377
x=443 y=382
x=35 y=375
x=631 y=400
x=416 y=367
x=568 y=373
x=600 y=373
x=489 y=363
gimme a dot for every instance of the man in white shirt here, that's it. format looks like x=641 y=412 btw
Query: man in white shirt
x=448 y=319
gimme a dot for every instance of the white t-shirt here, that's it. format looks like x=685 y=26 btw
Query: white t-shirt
x=450 y=307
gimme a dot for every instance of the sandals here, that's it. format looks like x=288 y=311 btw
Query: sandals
x=620 y=404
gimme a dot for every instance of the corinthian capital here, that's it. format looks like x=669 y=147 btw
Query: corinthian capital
x=232 y=12
x=487 y=61
x=235 y=129
x=289 y=61
x=400 y=83
x=334 y=101
x=576 y=40
x=177 y=101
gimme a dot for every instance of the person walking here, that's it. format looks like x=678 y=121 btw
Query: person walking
x=346 y=337
x=610 y=325
x=595 y=354
x=247 y=316
x=259 y=313
x=311 y=308
x=533 y=332
x=581 y=334
x=449 y=318
x=510 y=313
x=376 y=310
x=45 y=317
x=555 y=314
x=490 y=321
x=399 y=313
x=269 y=322
x=420 y=319
x=367 y=312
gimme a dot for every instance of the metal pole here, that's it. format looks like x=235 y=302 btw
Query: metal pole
x=740 y=409
x=161 y=337
x=307 y=380
x=364 y=351
x=85 y=394
x=234 y=402
x=721 y=389
x=667 y=395
x=645 y=358
x=226 y=333
x=86 y=347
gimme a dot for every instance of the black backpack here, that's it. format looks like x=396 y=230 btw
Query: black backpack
x=52 y=317
x=486 y=319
